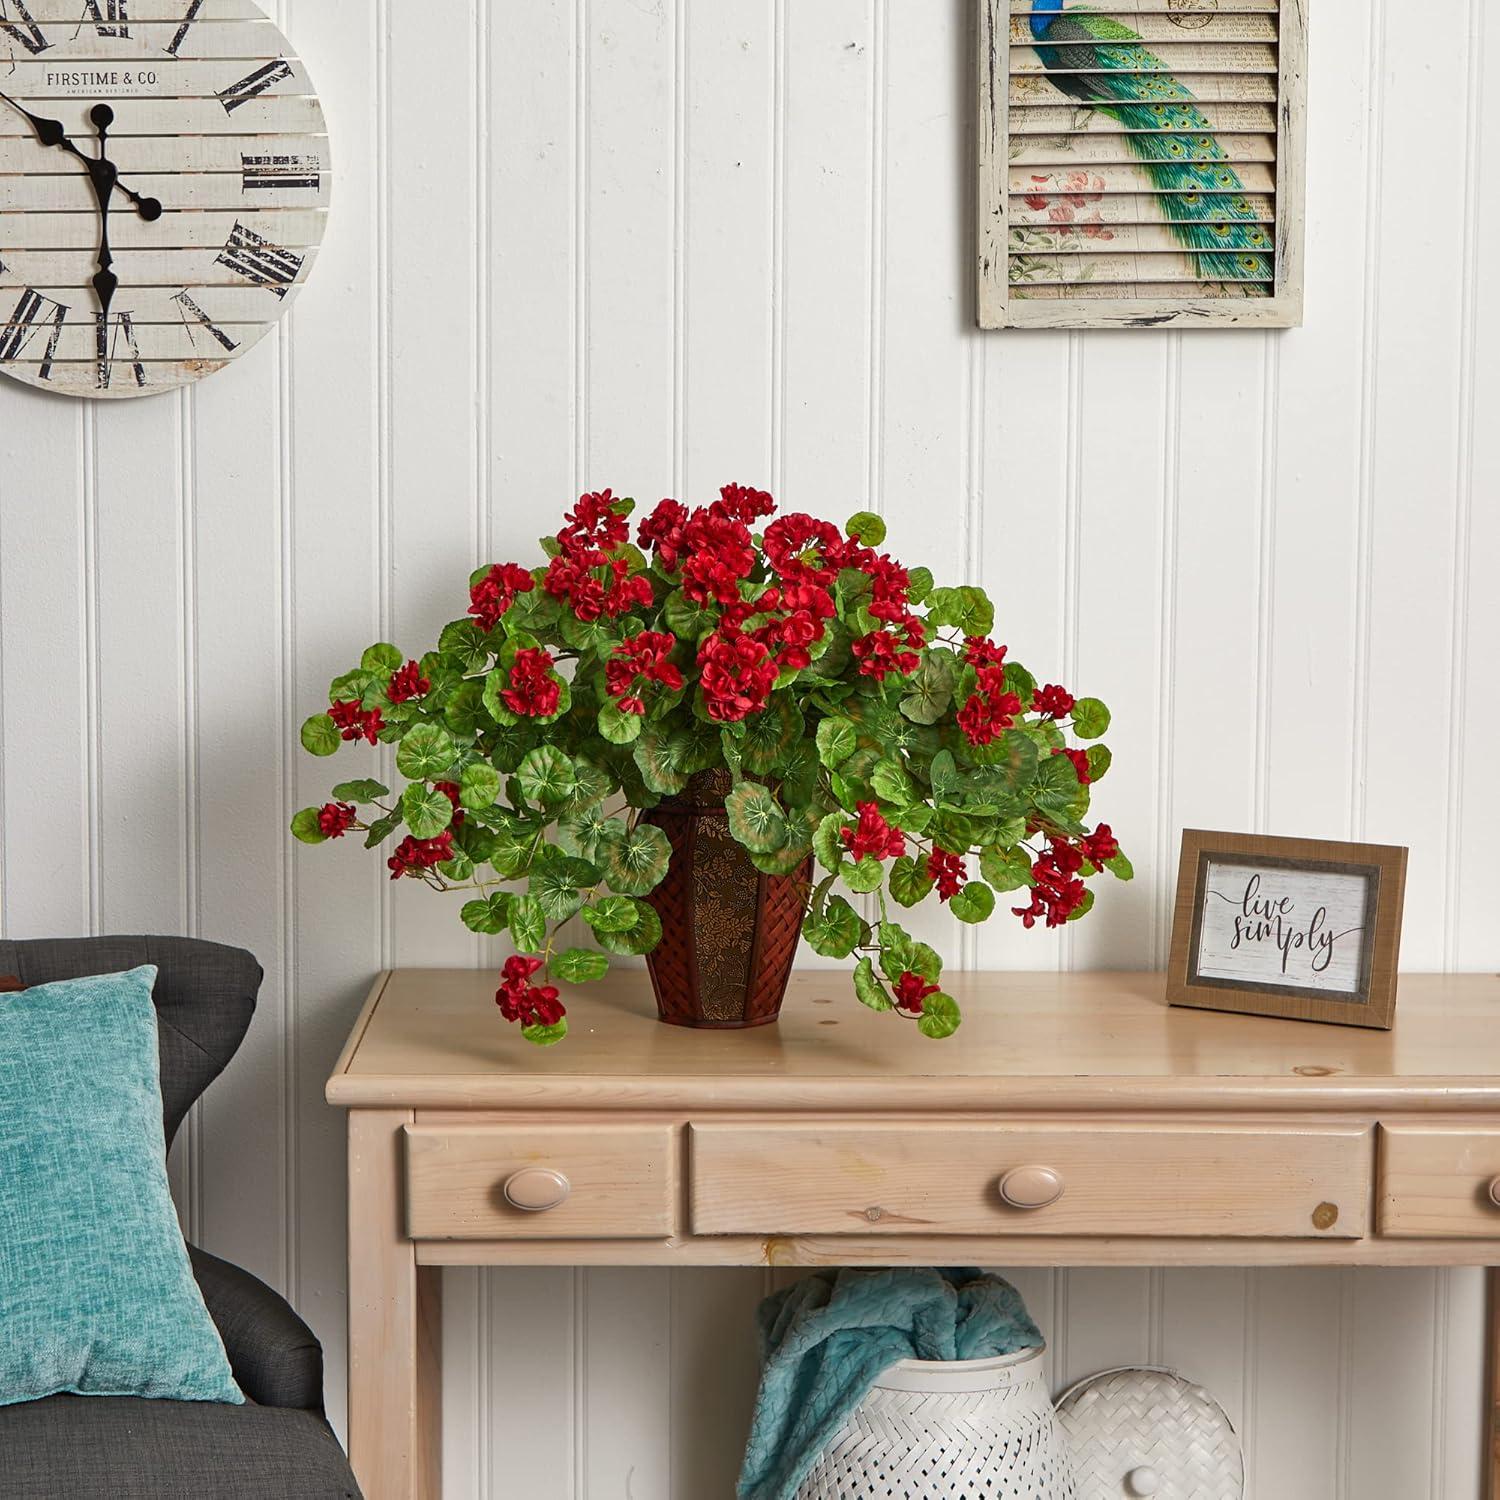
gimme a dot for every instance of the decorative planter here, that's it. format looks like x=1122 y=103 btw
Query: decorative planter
x=935 y=1431
x=729 y=932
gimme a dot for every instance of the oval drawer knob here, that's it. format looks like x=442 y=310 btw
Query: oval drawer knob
x=1143 y=1481
x=1031 y=1187
x=1494 y=1191
x=536 y=1189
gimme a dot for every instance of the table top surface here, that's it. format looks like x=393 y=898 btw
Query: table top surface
x=432 y=1038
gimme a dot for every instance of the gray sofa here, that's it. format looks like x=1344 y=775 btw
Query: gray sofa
x=278 y=1446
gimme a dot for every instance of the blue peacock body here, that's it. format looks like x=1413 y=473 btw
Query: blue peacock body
x=1096 y=60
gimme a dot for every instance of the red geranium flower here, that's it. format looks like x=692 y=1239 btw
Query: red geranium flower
x=1101 y=845
x=520 y=1000
x=645 y=657
x=534 y=690
x=415 y=855
x=335 y=819
x=872 y=835
x=736 y=673
x=496 y=592
x=407 y=683
x=1053 y=701
x=1058 y=891
x=661 y=532
x=989 y=712
x=354 y=722
x=947 y=871
x=979 y=652
x=883 y=651
x=1080 y=759
x=911 y=990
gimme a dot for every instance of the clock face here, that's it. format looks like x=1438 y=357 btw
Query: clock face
x=164 y=185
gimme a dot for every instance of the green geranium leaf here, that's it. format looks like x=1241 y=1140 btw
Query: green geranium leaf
x=1100 y=760
x=546 y=776
x=837 y=932
x=643 y=934
x=619 y=728
x=636 y=863
x=305 y=827
x=654 y=759
x=360 y=791
x=479 y=785
x=1090 y=719
x=528 y=924
x=891 y=783
x=614 y=914
x=908 y=882
x=836 y=741
x=756 y=819
x=1120 y=867
x=582 y=833
x=381 y=658
x=559 y=886
x=1006 y=869
x=864 y=875
x=770 y=735
x=868 y=988
x=468 y=643
x=685 y=619
x=320 y=735
x=427 y=811
x=425 y=752
x=930 y=691
x=591 y=785
x=866 y=528
x=546 y=1036
x=579 y=966
x=940 y=1016
x=382 y=828
x=827 y=844
x=921 y=584
x=694 y=746
x=1083 y=908
x=489 y=914
x=974 y=903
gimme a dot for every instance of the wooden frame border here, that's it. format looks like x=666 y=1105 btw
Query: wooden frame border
x=1383 y=864
x=995 y=306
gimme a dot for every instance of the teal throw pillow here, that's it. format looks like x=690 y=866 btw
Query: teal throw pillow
x=97 y=1296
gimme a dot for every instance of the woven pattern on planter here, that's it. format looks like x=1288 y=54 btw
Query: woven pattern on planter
x=1122 y=1421
x=966 y=1445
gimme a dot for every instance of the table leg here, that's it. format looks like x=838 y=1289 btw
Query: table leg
x=395 y=1369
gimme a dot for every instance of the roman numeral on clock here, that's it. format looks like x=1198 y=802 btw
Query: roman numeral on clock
x=258 y=260
x=107 y=17
x=34 y=313
x=237 y=95
x=270 y=172
x=22 y=29
x=109 y=335
x=191 y=313
x=187 y=26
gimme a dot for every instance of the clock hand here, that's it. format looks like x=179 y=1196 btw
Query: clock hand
x=103 y=176
x=51 y=133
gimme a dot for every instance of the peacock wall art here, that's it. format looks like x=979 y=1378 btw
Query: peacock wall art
x=1136 y=161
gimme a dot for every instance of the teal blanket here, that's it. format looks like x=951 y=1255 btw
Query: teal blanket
x=824 y=1342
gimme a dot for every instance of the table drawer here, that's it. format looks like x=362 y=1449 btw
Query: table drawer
x=1270 y=1181
x=1438 y=1181
x=469 y=1182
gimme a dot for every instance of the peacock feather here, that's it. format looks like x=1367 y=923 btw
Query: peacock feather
x=1096 y=60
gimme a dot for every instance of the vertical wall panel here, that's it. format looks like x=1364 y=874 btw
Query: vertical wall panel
x=661 y=246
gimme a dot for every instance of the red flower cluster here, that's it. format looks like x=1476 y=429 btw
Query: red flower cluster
x=991 y=710
x=979 y=652
x=641 y=658
x=496 y=592
x=415 y=855
x=1055 y=702
x=1080 y=759
x=872 y=835
x=884 y=651
x=1100 y=846
x=1058 y=890
x=911 y=990
x=736 y=672
x=534 y=690
x=947 y=871
x=520 y=1000
x=354 y=722
x=335 y=819
x=407 y=683
x=593 y=583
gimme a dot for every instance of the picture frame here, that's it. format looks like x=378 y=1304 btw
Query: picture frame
x=1081 y=223
x=1302 y=929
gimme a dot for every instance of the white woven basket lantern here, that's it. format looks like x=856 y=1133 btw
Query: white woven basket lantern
x=978 y=1429
x=1148 y=1432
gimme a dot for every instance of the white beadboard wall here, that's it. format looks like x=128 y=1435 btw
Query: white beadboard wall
x=658 y=246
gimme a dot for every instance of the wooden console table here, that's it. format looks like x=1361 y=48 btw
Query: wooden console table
x=1074 y=1120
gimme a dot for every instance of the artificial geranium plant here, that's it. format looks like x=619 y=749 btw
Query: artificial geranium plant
x=866 y=718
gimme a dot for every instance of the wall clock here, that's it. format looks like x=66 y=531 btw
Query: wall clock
x=164 y=185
